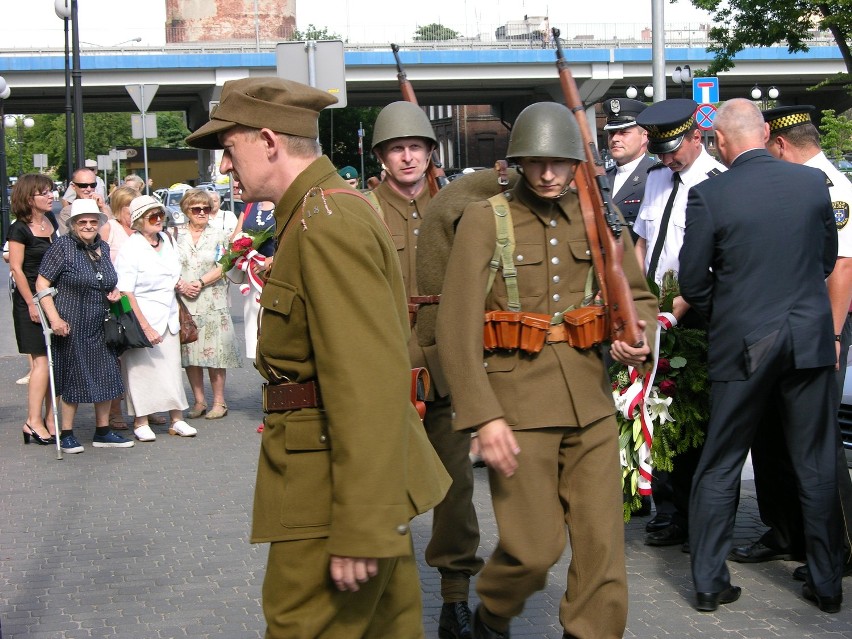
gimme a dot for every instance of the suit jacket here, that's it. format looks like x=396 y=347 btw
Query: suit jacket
x=630 y=195
x=334 y=311
x=760 y=241
x=559 y=386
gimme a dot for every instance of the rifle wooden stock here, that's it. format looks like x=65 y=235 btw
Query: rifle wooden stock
x=594 y=194
x=436 y=178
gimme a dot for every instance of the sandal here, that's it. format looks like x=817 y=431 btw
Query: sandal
x=198 y=410
x=116 y=422
x=158 y=420
x=219 y=411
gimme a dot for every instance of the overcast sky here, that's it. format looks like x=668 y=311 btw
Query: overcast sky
x=33 y=23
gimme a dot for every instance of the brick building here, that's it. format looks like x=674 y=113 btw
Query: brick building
x=209 y=21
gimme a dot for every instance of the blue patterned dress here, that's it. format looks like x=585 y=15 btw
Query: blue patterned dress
x=85 y=369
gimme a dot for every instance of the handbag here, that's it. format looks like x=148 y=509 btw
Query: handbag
x=122 y=330
x=188 y=328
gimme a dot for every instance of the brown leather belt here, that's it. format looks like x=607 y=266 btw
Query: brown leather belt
x=283 y=397
x=424 y=299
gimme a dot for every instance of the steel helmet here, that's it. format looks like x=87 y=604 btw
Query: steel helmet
x=402 y=120
x=546 y=129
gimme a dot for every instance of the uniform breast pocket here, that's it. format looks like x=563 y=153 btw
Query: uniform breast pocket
x=284 y=333
x=532 y=271
x=582 y=255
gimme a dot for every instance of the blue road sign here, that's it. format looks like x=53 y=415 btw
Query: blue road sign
x=705 y=90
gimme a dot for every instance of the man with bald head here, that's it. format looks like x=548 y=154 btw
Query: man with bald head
x=759 y=243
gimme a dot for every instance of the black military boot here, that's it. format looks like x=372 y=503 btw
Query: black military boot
x=455 y=621
x=482 y=631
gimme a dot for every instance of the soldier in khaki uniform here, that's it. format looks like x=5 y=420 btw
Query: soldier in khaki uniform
x=344 y=464
x=403 y=141
x=545 y=421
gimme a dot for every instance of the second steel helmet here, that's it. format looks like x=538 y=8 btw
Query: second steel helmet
x=402 y=120
x=546 y=129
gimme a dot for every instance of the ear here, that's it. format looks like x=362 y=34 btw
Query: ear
x=271 y=142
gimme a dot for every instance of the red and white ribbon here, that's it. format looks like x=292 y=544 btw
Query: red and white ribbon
x=245 y=263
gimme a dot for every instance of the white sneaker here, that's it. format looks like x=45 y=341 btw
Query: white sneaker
x=144 y=433
x=183 y=429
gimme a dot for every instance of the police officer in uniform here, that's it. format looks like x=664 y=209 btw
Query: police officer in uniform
x=344 y=463
x=684 y=162
x=403 y=141
x=628 y=145
x=545 y=421
x=794 y=138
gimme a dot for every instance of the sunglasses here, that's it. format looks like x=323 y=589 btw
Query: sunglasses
x=85 y=185
x=200 y=210
x=159 y=216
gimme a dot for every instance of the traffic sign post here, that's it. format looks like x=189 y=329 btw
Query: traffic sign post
x=705 y=90
x=143 y=95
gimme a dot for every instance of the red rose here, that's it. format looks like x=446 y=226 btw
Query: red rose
x=242 y=244
x=668 y=388
x=663 y=366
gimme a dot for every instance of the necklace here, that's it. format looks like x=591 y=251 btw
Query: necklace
x=158 y=242
x=41 y=224
x=269 y=214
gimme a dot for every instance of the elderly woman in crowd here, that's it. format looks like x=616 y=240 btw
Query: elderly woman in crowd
x=206 y=298
x=117 y=229
x=85 y=368
x=149 y=274
x=30 y=236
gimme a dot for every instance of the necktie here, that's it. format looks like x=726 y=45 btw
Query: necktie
x=664 y=227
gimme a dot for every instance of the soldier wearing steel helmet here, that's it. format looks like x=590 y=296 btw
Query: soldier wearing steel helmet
x=545 y=421
x=403 y=141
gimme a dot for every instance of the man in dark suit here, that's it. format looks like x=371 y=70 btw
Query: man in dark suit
x=760 y=241
x=628 y=146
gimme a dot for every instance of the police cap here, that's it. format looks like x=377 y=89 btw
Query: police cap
x=666 y=123
x=786 y=117
x=621 y=113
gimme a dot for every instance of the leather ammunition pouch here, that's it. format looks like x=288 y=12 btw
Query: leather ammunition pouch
x=582 y=328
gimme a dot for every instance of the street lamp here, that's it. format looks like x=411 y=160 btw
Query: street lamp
x=21 y=122
x=66 y=9
x=62 y=8
x=649 y=91
x=5 y=91
x=771 y=94
x=682 y=76
x=631 y=92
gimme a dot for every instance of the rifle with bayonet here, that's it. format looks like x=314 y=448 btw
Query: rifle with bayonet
x=605 y=239
x=436 y=177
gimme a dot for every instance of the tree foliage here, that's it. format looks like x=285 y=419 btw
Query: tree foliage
x=313 y=32
x=764 y=23
x=836 y=134
x=435 y=31
x=340 y=142
x=103 y=131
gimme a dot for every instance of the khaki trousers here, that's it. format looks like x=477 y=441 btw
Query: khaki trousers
x=565 y=476
x=301 y=602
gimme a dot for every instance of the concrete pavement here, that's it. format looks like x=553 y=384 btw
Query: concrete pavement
x=152 y=542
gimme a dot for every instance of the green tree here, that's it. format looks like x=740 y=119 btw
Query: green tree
x=435 y=31
x=763 y=23
x=339 y=137
x=314 y=33
x=836 y=134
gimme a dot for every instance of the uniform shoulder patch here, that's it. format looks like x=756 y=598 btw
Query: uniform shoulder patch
x=828 y=182
x=713 y=172
x=841 y=213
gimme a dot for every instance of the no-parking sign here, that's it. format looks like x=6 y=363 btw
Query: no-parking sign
x=704 y=116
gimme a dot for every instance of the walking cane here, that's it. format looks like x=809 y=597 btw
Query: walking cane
x=45 y=328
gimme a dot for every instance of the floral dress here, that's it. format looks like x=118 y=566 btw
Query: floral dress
x=217 y=345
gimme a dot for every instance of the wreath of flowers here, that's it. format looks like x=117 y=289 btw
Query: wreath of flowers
x=660 y=421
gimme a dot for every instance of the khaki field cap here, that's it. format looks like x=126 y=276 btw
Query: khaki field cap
x=85 y=207
x=141 y=205
x=264 y=102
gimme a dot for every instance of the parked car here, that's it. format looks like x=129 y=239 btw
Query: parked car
x=844 y=416
x=845 y=167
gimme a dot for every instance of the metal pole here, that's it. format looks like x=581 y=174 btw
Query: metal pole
x=4 y=200
x=658 y=50
x=144 y=138
x=256 y=28
x=76 y=75
x=20 y=123
x=69 y=109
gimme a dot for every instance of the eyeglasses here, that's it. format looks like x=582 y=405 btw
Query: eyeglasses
x=87 y=223
x=159 y=216
x=85 y=185
x=46 y=194
x=201 y=210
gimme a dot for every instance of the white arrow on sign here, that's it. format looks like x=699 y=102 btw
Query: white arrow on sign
x=142 y=94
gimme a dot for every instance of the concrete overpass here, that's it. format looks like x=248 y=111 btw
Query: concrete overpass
x=442 y=73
